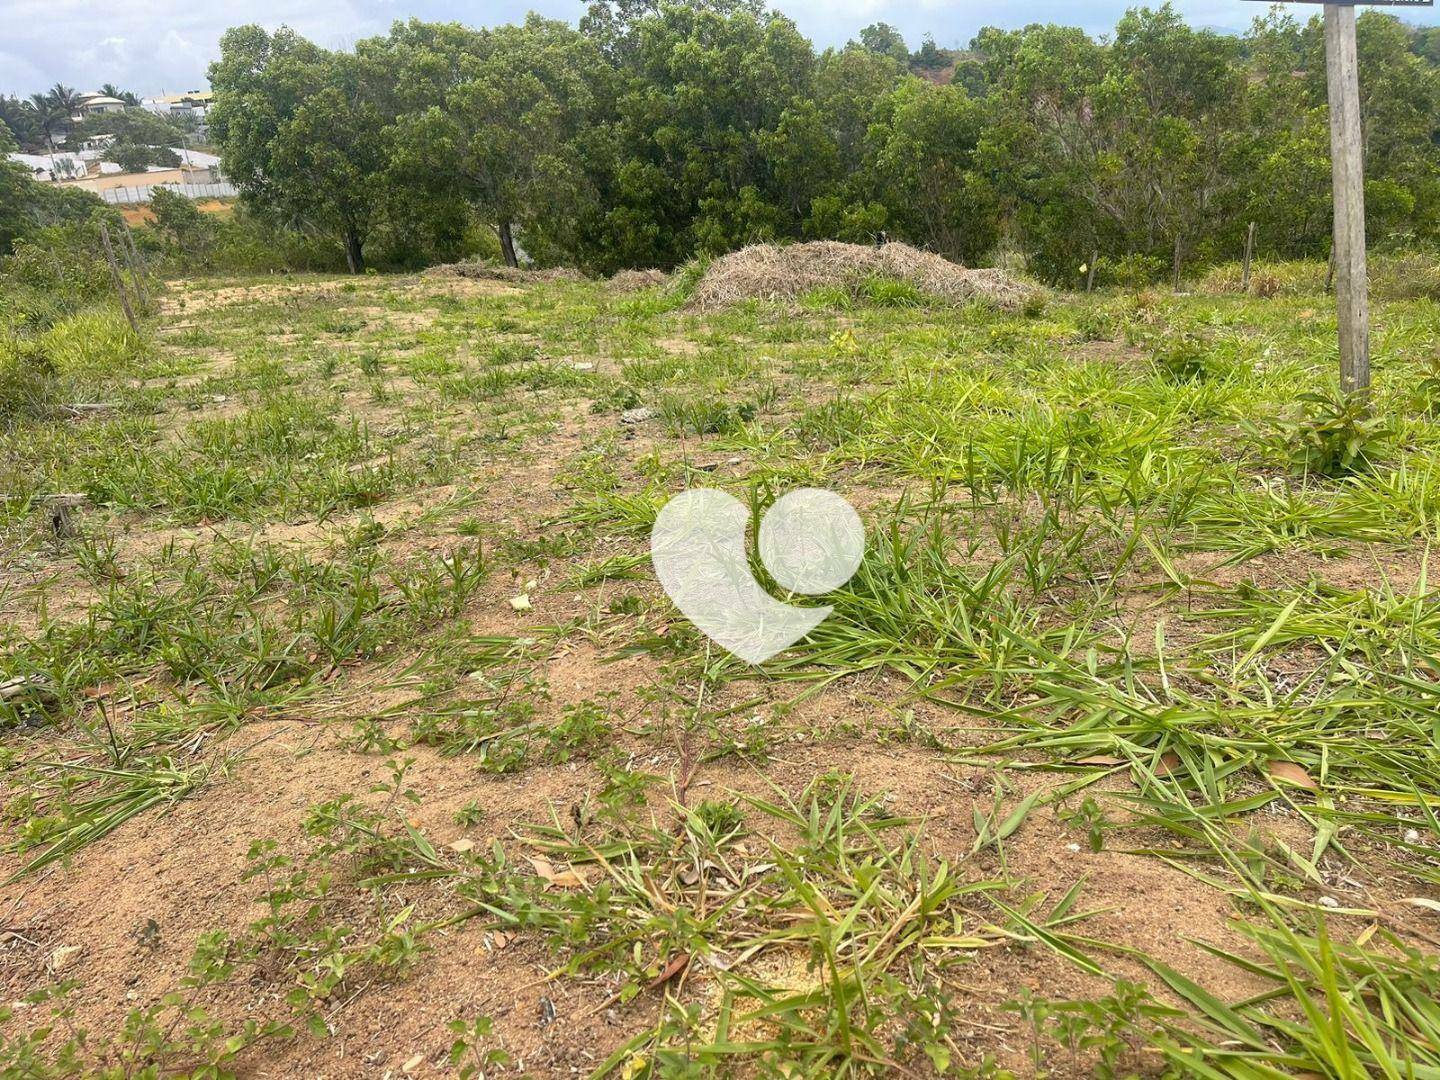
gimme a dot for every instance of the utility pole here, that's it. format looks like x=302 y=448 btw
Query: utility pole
x=1347 y=152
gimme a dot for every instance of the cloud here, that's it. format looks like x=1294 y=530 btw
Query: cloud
x=152 y=45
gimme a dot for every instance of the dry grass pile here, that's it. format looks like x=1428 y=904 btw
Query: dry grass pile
x=482 y=271
x=771 y=272
x=635 y=280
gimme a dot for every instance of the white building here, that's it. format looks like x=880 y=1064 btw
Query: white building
x=93 y=104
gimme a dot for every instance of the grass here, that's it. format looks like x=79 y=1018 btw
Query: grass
x=1146 y=625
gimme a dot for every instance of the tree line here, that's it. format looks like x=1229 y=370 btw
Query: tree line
x=654 y=131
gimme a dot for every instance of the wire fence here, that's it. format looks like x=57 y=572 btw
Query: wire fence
x=130 y=196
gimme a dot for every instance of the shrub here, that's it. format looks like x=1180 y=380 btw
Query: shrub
x=1183 y=357
x=1131 y=272
x=1334 y=435
x=27 y=380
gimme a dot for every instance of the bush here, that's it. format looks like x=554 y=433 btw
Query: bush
x=1334 y=435
x=27 y=380
x=1133 y=272
x=48 y=277
x=1183 y=357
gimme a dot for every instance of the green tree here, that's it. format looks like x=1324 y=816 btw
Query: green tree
x=884 y=39
x=301 y=133
x=51 y=119
x=21 y=121
x=135 y=157
x=132 y=125
x=924 y=166
x=701 y=93
x=111 y=90
x=503 y=130
x=182 y=224
x=1128 y=149
x=27 y=207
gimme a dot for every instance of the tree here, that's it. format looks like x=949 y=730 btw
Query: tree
x=930 y=57
x=884 y=39
x=923 y=161
x=135 y=157
x=300 y=133
x=132 y=125
x=26 y=207
x=50 y=118
x=20 y=120
x=111 y=90
x=1128 y=149
x=502 y=134
x=64 y=99
x=682 y=167
x=181 y=222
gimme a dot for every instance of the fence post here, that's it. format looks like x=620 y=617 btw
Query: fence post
x=1249 y=256
x=116 y=280
x=138 y=270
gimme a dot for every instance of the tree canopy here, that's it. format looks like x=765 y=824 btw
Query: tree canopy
x=655 y=131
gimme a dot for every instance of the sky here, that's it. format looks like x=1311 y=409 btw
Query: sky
x=164 y=46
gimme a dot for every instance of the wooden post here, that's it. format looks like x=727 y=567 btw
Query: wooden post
x=116 y=280
x=1090 y=277
x=137 y=267
x=1352 y=283
x=1178 y=261
x=1249 y=257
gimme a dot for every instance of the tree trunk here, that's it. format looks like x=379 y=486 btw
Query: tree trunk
x=354 y=253
x=507 y=243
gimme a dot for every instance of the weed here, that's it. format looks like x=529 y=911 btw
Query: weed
x=1333 y=435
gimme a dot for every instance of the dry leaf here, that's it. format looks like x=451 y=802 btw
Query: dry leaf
x=462 y=846
x=1169 y=762
x=562 y=878
x=1101 y=761
x=678 y=964
x=1290 y=773
x=520 y=603
x=413 y=1064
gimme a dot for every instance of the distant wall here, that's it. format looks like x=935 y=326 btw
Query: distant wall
x=131 y=195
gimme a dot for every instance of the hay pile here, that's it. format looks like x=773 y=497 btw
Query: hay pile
x=771 y=272
x=481 y=271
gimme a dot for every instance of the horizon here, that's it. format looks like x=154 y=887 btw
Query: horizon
x=167 y=48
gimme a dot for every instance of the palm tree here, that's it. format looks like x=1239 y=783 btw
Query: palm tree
x=66 y=99
x=45 y=116
x=19 y=117
x=111 y=90
x=56 y=107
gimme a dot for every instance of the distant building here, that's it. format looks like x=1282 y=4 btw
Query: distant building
x=191 y=103
x=93 y=104
x=87 y=169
